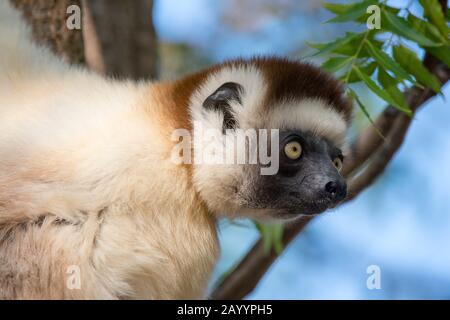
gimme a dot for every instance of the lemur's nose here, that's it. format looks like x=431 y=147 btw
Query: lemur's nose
x=336 y=189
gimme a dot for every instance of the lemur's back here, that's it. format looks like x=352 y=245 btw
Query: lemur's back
x=80 y=165
x=55 y=119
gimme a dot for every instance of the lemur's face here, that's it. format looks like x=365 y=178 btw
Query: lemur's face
x=308 y=180
x=295 y=169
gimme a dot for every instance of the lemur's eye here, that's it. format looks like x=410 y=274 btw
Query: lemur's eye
x=293 y=150
x=338 y=164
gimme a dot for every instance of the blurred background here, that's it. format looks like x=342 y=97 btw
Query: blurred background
x=401 y=223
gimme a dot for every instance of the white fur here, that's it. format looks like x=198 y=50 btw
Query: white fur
x=85 y=180
x=310 y=115
x=226 y=176
x=216 y=183
x=19 y=56
x=254 y=90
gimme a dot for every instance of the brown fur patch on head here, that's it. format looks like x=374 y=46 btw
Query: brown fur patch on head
x=286 y=79
x=289 y=79
x=180 y=93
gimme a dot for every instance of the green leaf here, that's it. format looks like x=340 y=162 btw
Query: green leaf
x=363 y=18
x=379 y=91
x=409 y=60
x=349 y=48
x=401 y=27
x=364 y=110
x=387 y=62
x=272 y=235
x=434 y=14
x=367 y=69
x=442 y=53
x=349 y=12
x=390 y=85
x=266 y=236
x=337 y=8
x=341 y=8
x=334 y=64
x=335 y=45
x=277 y=230
x=426 y=28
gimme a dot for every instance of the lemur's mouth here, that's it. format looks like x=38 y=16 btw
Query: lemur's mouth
x=308 y=208
x=298 y=209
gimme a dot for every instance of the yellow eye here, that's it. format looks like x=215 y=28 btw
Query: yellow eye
x=293 y=150
x=338 y=164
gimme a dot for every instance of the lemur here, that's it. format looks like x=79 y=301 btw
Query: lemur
x=87 y=183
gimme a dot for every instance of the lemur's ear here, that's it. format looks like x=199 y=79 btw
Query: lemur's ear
x=219 y=101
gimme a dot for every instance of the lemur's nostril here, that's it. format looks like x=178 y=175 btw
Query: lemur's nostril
x=331 y=187
x=336 y=189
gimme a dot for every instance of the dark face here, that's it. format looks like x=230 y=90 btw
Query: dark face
x=308 y=180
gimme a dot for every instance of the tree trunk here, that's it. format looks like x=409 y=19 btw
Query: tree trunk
x=48 y=21
x=127 y=37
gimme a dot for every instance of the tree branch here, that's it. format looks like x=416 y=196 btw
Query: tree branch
x=251 y=269
x=126 y=37
x=369 y=140
x=92 y=46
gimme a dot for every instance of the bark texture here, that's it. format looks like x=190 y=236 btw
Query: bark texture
x=126 y=36
x=48 y=21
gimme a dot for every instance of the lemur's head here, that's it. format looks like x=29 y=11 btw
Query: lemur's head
x=292 y=168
